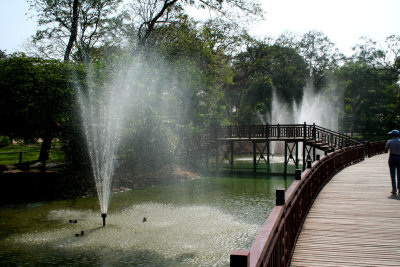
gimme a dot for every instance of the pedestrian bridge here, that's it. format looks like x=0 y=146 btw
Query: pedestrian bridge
x=301 y=141
x=354 y=221
x=337 y=212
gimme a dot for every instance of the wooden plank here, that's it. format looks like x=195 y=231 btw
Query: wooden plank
x=355 y=221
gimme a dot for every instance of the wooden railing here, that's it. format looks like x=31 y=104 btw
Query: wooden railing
x=374 y=148
x=305 y=132
x=275 y=241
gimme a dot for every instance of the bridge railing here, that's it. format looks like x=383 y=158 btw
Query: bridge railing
x=374 y=148
x=264 y=131
x=333 y=138
x=275 y=242
x=284 y=131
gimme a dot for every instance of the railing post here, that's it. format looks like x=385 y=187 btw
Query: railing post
x=314 y=132
x=279 y=131
x=309 y=164
x=280 y=196
x=249 y=129
x=232 y=150
x=20 y=157
x=297 y=174
x=305 y=130
x=240 y=258
x=254 y=156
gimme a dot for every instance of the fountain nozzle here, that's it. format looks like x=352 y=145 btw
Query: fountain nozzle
x=104 y=215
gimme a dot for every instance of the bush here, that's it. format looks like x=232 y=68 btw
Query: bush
x=4 y=141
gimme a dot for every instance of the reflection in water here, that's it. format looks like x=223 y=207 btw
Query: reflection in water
x=195 y=223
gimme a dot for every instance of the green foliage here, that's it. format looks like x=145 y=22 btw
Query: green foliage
x=3 y=54
x=96 y=24
x=320 y=55
x=371 y=103
x=261 y=70
x=33 y=96
x=380 y=56
x=38 y=100
x=4 y=141
x=203 y=70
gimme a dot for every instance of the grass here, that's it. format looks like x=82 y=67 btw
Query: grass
x=30 y=153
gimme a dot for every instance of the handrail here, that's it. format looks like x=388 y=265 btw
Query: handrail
x=275 y=241
x=303 y=132
x=337 y=133
x=374 y=148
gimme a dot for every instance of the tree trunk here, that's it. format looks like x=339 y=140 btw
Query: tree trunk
x=44 y=151
x=149 y=25
x=74 y=30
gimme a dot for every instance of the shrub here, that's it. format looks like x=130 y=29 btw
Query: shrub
x=4 y=141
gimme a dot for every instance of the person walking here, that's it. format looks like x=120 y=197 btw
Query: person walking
x=393 y=146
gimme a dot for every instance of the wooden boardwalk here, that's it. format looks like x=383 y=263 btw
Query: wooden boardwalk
x=355 y=221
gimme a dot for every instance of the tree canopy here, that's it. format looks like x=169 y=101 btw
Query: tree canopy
x=206 y=73
x=34 y=94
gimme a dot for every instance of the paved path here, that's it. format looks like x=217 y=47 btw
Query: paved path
x=355 y=221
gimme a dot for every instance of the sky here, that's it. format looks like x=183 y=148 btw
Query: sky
x=343 y=21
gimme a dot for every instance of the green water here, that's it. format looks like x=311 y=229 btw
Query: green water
x=192 y=223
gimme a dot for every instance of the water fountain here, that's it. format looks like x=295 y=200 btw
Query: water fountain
x=103 y=106
x=313 y=108
x=196 y=223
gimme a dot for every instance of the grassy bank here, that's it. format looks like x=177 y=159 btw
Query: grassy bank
x=12 y=154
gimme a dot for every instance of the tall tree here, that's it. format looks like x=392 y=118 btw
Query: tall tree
x=146 y=16
x=371 y=99
x=73 y=30
x=262 y=69
x=320 y=54
x=380 y=56
x=73 y=27
x=3 y=54
x=34 y=96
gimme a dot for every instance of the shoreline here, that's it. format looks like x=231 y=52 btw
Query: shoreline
x=33 y=185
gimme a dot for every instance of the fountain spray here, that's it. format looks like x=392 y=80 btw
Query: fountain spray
x=104 y=215
x=103 y=109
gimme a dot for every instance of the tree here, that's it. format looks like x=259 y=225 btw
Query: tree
x=75 y=28
x=191 y=76
x=146 y=17
x=67 y=27
x=3 y=54
x=34 y=97
x=288 y=39
x=371 y=99
x=320 y=54
x=262 y=69
x=382 y=57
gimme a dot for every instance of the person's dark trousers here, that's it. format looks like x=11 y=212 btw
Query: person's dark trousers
x=394 y=164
